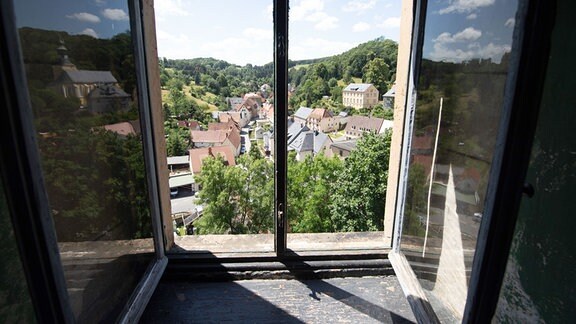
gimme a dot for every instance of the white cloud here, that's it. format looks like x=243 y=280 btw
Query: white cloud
x=462 y=46
x=510 y=23
x=448 y=47
x=472 y=16
x=115 y=14
x=360 y=27
x=391 y=22
x=238 y=50
x=258 y=33
x=323 y=20
x=269 y=11
x=317 y=47
x=301 y=10
x=492 y=51
x=465 y=6
x=84 y=17
x=89 y=32
x=100 y=2
x=359 y=6
x=466 y=35
x=313 y=11
x=165 y=8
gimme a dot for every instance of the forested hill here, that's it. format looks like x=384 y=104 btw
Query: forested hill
x=312 y=79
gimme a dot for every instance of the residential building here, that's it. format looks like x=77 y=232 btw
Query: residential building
x=323 y=120
x=214 y=138
x=242 y=118
x=301 y=115
x=233 y=102
x=388 y=98
x=342 y=149
x=249 y=108
x=267 y=112
x=358 y=125
x=309 y=143
x=360 y=95
x=198 y=155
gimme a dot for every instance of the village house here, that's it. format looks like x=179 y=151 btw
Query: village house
x=360 y=95
x=323 y=120
x=197 y=156
x=342 y=149
x=388 y=98
x=233 y=102
x=190 y=124
x=242 y=118
x=301 y=115
x=358 y=125
x=215 y=138
x=99 y=91
x=267 y=112
x=309 y=143
x=249 y=108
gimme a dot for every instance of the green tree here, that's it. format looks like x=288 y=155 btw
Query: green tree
x=238 y=199
x=310 y=187
x=377 y=72
x=360 y=189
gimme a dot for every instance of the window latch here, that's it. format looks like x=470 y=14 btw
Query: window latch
x=280 y=216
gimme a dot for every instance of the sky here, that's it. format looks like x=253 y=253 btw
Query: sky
x=243 y=32
x=240 y=32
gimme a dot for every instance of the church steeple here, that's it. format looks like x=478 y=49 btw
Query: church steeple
x=65 y=64
x=63 y=52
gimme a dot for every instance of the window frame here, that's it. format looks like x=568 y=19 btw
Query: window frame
x=529 y=56
x=24 y=184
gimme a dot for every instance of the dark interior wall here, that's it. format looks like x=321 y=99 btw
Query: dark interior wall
x=540 y=281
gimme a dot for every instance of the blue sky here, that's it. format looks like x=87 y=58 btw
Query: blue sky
x=459 y=30
x=240 y=32
x=97 y=18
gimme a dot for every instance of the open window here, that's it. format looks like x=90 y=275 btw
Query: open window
x=466 y=124
x=78 y=160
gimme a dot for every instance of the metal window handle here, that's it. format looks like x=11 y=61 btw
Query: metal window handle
x=280 y=216
x=281 y=46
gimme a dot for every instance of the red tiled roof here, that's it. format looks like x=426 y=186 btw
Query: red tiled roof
x=208 y=136
x=320 y=113
x=198 y=155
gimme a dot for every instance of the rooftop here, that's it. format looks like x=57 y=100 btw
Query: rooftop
x=360 y=87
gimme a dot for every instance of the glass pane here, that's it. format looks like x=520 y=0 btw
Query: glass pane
x=540 y=281
x=15 y=303
x=341 y=80
x=82 y=81
x=460 y=92
x=218 y=105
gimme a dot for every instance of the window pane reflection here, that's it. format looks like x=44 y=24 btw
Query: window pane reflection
x=460 y=92
x=82 y=84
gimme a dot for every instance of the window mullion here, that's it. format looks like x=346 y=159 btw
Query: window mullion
x=280 y=122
